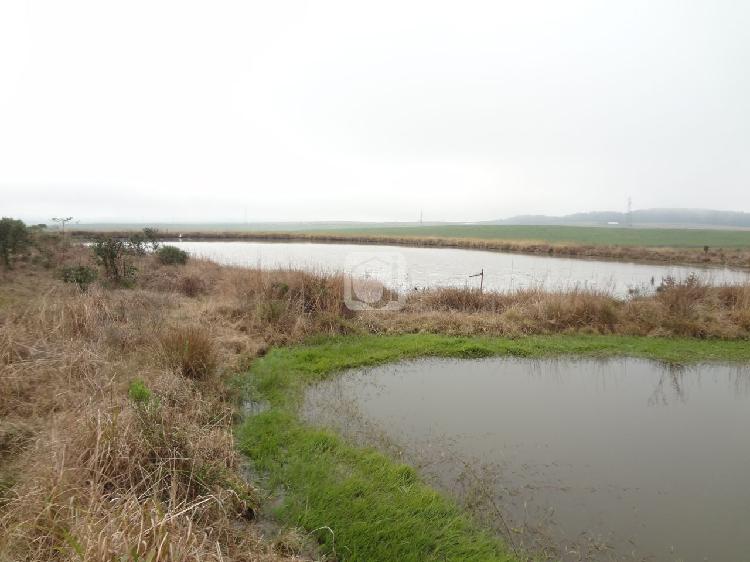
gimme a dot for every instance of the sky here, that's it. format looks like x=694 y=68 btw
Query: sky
x=288 y=110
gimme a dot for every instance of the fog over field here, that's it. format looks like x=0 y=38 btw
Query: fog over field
x=300 y=111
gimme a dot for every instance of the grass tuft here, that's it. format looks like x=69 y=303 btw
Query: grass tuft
x=190 y=352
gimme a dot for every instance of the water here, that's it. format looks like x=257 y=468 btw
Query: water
x=602 y=460
x=404 y=268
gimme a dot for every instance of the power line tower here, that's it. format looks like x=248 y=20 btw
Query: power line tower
x=629 y=216
x=420 y=216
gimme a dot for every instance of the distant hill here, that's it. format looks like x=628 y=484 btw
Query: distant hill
x=695 y=218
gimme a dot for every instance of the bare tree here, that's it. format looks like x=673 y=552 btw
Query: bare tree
x=62 y=221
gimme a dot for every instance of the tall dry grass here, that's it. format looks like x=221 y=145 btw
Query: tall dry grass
x=88 y=473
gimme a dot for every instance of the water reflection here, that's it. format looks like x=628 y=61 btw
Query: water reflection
x=619 y=459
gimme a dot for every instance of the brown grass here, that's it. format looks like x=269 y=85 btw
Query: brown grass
x=189 y=351
x=86 y=473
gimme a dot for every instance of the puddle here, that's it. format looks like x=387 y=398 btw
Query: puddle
x=584 y=460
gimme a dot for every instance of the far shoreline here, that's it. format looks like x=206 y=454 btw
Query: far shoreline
x=736 y=258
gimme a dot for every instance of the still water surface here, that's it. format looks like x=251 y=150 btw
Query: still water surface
x=603 y=460
x=450 y=267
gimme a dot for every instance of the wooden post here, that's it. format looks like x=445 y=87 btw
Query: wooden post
x=481 y=279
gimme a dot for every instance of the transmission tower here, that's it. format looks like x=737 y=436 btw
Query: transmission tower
x=629 y=216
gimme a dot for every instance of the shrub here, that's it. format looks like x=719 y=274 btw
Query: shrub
x=136 y=244
x=14 y=237
x=171 y=255
x=110 y=253
x=192 y=285
x=139 y=393
x=190 y=352
x=81 y=275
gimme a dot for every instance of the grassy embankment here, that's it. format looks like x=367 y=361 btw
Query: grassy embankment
x=116 y=425
x=368 y=506
x=654 y=245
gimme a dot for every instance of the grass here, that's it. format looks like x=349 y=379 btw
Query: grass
x=372 y=507
x=116 y=423
x=589 y=235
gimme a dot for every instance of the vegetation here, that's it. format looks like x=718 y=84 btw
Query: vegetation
x=111 y=254
x=139 y=393
x=14 y=238
x=81 y=275
x=672 y=246
x=116 y=422
x=190 y=352
x=172 y=255
x=152 y=237
x=584 y=235
x=95 y=465
x=376 y=508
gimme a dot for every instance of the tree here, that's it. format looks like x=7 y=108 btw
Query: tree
x=152 y=237
x=14 y=237
x=136 y=244
x=110 y=253
x=62 y=221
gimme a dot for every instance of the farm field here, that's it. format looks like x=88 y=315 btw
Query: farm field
x=588 y=235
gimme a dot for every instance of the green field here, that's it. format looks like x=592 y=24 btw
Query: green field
x=653 y=237
x=589 y=235
x=363 y=505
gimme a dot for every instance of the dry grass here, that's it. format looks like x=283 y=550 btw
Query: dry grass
x=87 y=473
x=189 y=351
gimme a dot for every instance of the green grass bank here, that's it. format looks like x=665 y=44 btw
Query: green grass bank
x=361 y=504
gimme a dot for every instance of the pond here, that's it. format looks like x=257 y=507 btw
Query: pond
x=404 y=268
x=621 y=459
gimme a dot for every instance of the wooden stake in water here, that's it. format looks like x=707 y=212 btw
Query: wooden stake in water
x=481 y=279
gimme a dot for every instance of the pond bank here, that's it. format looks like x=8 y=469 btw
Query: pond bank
x=358 y=502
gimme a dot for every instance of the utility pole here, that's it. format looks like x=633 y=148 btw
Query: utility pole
x=62 y=221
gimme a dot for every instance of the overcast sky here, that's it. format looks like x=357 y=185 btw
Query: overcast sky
x=292 y=110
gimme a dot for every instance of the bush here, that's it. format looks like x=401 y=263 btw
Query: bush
x=190 y=352
x=81 y=275
x=110 y=253
x=14 y=237
x=171 y=255
x=136 y=244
